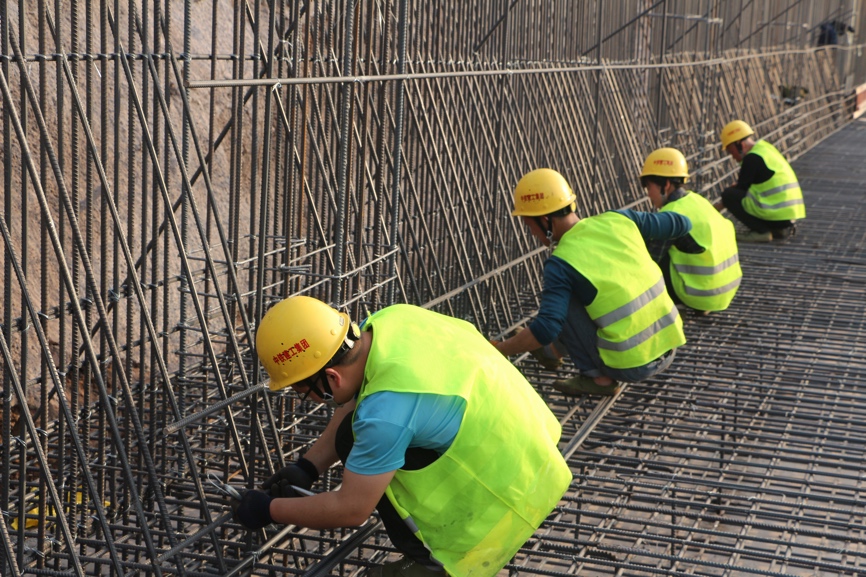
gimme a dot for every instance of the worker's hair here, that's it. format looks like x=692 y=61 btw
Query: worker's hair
x=564 y=211
x=349 y=357
x=677 y=181
x=739 y=143
x=345 y=355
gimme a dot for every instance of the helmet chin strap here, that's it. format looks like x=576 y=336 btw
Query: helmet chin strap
x=325 y=392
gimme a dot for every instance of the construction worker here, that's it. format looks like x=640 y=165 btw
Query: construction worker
x=604 y=299
x=706 y=281
x=767 y=197
x=424 y=424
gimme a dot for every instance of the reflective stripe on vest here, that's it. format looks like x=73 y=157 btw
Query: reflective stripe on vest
x=707 y=270
x=765 y=205
x=509 y=488
x=645 y=334
x=636 y=318
x=410 y=523
x=716 y=291
x=709 y=280
x=632 y=307
x=780 y=197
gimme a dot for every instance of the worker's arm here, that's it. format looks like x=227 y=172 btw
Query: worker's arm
x=672 y=226
x=349 y=506
x=562 y=283
x=383 y=429
x=667 y=225
x=753 y=170
x=519 y=343
x=305 y=471
x=323 y=453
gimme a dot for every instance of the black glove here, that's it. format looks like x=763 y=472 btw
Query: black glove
x=688 y=245
x=253 y=511
x=301 y=474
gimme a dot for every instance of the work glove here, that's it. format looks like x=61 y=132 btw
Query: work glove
x=253 y=510
x=689 y=245
x=300 y=474
x=547 y=356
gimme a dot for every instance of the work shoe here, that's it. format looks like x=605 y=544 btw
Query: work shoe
x=784 y=233
x=580 y=385
x=753 y=236
x=404 y=567
x=547 y=356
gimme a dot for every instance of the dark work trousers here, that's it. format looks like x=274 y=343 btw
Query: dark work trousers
x=401 y=536
x=732 y=198
x=659 y=250
x=579 y=337
x=665 y=265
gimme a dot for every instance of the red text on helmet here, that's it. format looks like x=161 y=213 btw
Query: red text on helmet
x=289 y=353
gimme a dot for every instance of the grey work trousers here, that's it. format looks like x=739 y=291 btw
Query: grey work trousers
x=578 y=338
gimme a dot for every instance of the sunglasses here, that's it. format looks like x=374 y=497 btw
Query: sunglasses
x=311 y=386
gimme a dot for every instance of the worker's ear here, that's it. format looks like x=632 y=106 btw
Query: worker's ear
x=336 y=379
x=669 y=187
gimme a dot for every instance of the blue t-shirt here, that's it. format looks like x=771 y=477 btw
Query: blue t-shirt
x=563 y=283
x=388 y=423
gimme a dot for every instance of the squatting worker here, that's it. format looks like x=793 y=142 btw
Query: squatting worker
x=706 y=281
x=767 y=198
x=424 y=425
x=604 y=298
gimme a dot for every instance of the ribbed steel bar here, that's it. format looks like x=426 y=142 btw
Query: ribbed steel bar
x=349 y=79
x=67 y=279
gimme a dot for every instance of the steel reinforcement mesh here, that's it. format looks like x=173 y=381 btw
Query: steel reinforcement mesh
x=170 y=169
x=747 y=458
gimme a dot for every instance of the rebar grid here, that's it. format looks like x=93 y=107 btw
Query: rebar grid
x=156 y=202
x=747 y=458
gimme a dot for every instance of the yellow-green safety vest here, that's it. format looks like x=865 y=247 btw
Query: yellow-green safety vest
x=707 y=281
x=780 y=197
x=478 y=503
x=636 y=318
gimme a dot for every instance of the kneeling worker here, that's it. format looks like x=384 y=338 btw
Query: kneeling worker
x=767 y=197
x=706 y=281
x=604 y=298
x=424 y=424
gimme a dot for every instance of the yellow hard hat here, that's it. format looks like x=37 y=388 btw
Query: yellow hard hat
x=668 y=162
x=542 y=192
x=297 y=338
x=735 y=131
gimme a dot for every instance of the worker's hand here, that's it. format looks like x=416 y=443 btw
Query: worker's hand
x=300 y=474
x=253 y=510
x=496 y=344
x=689 y=245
